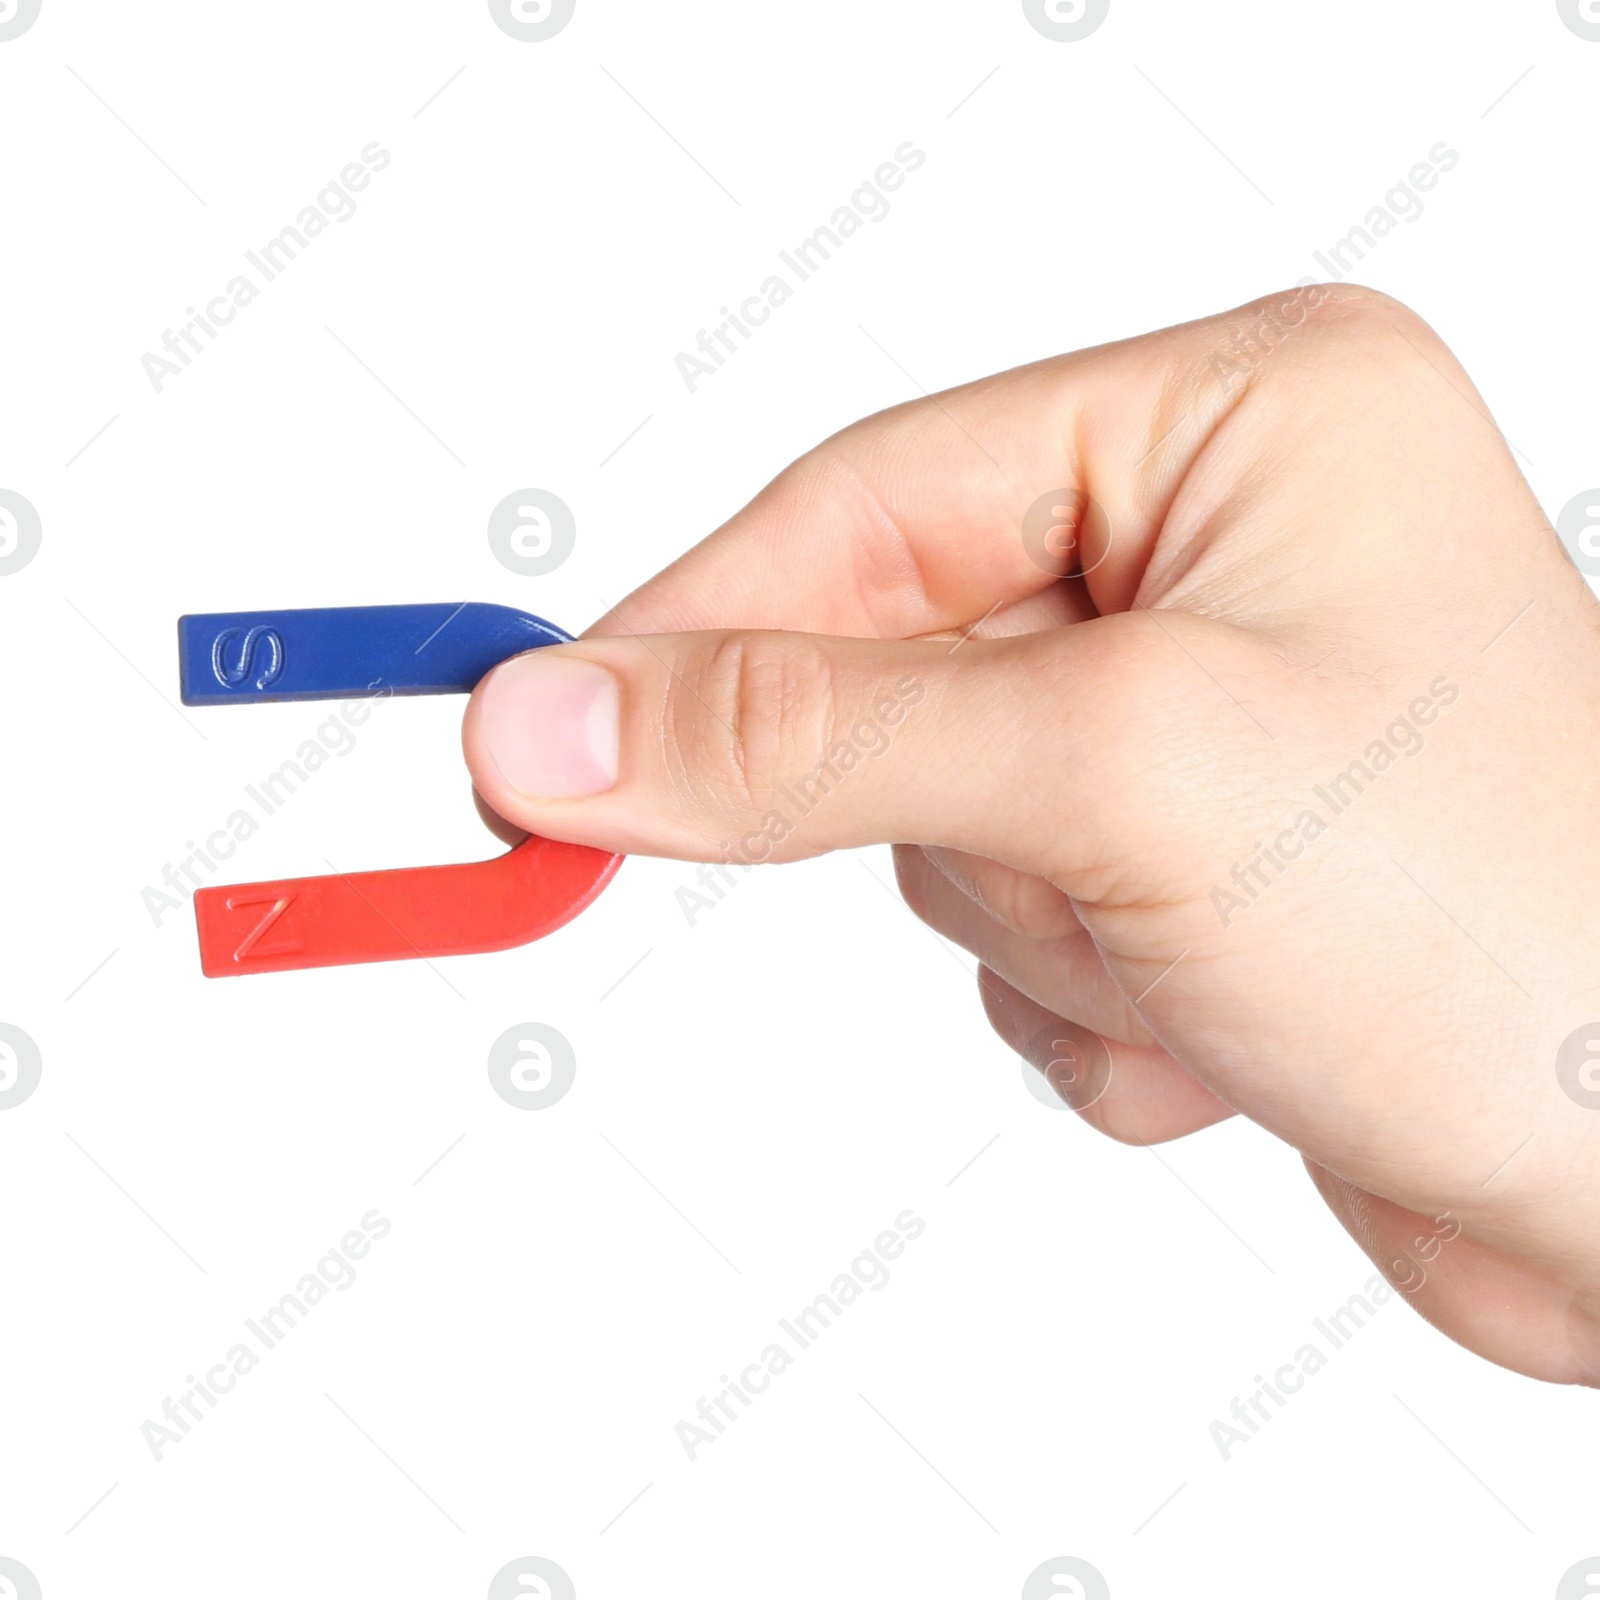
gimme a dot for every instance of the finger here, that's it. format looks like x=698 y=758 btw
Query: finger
x=1137 y=1094
x=1064 y=974
x=506 y=832
x=1021 y=901
x=913 y=520
x=1056 y=607
x=776 y=746
x=1496 y=1306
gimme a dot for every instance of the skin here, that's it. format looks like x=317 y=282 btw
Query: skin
x=1292 y=532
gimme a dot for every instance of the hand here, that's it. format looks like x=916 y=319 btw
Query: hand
x=1241 y=712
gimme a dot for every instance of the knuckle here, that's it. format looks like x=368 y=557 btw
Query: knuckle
x=1029 y=906
x=1359 y=318
x=1359 y=339
x=1334 y=349
x=913 y=878
x=1354 y=304
x=1337 y=336
x=754 y=706
x=1114 y=1122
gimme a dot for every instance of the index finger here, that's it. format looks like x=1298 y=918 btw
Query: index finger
x=915 y=520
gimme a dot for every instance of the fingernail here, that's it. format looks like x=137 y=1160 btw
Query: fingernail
x=550 y=724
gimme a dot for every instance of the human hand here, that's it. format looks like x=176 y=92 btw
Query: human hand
x=1258 y=776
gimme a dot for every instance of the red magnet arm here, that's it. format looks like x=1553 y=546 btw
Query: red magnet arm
x=399 y=914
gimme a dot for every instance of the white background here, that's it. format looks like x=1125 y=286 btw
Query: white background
x=761 y=1094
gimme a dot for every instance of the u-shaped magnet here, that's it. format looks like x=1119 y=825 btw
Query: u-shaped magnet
x=405 y=913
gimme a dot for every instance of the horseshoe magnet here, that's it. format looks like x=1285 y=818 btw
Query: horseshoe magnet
x=405 y=913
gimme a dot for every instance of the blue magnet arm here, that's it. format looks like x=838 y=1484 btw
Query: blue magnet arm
x=245 y=657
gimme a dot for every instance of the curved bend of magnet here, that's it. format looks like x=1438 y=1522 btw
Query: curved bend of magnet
x=406 y=913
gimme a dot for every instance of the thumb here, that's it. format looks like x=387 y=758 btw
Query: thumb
x=767 y=746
